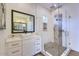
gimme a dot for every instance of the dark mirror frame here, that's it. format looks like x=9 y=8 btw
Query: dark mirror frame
x=12 y=24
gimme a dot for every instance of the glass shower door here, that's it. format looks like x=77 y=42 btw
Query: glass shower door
x=60 y=30
x=58 y=33
x=63 y=30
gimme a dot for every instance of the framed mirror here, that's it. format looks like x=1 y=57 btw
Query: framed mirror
x=2 y=16
x=22 y=22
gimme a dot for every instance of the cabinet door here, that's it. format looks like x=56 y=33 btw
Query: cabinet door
x=27 y=47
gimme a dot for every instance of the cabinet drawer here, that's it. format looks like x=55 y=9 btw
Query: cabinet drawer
x=38 y=49
x=13 y=44
x=37 y=40
x=14 y=51
x=37 y=43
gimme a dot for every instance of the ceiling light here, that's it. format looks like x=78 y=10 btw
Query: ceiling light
x=55 y=5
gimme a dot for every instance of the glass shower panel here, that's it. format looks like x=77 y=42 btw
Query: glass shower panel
x=60 y=30
x=59 y=45
x=62 y=24
x=58 y=34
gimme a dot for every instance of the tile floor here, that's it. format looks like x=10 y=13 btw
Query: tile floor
x=54 y=49
x=73 y=53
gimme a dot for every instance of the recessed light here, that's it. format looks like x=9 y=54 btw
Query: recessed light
x=55 y=5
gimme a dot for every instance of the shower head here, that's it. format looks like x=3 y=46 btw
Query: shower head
x=56 y=6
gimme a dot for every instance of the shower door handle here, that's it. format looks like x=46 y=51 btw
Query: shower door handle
x=61 y=30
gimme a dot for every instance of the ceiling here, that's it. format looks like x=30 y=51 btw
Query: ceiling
x=51 y=6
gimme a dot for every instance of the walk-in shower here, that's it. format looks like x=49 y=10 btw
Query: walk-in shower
x=60 y=32
x=56 y=47
x=58 y=44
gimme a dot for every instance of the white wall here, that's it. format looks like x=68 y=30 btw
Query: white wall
x=46 y=35
x=73 y=10
x=33 y=9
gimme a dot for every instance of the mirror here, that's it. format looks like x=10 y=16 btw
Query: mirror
x=22 y=22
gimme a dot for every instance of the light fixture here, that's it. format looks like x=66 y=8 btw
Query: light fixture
x=55 y=5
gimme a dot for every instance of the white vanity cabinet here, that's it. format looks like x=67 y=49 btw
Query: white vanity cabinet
x=36 y=45
x=24 y=46
x=14 y=48
x=27 y=47
x=31 y=45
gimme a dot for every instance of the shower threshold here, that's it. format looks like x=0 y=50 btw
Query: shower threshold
x=53 y=49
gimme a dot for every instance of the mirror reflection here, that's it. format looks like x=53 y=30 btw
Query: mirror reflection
x=22 y=22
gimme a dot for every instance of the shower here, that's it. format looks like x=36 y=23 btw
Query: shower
x=60 y=28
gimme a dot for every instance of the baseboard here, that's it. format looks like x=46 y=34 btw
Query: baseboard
x=66 y=52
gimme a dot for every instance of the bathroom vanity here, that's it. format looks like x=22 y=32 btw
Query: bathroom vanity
x=23 y=45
